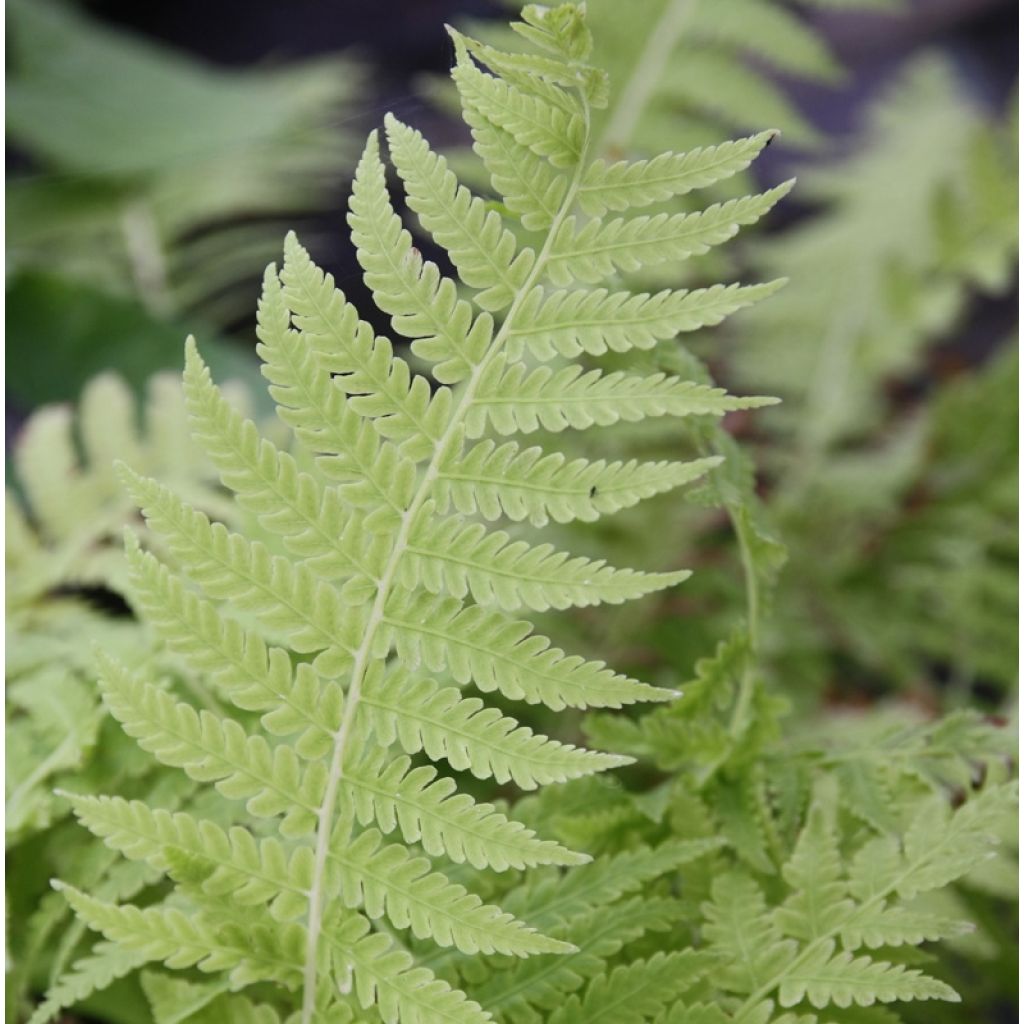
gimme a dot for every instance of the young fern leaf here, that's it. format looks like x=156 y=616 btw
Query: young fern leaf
x=370 y=596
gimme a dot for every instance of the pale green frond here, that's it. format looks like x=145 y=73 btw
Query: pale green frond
x=528 y=184
x=178 y=939
x=498 y=653
x=562 y=30
x=385 y=879
x=839 y=979
x=485 y=253
x=531 y=71
x=596 y=321
x=512 y=399
x=422 y=715
x=423 y=304
x=898 y=926
x=428 y=810
x=174 y=1000
x=212 y=749
x=597 y=249
x=453 y=556
x=548 y=902
x=253 y=675
x=386 y=978
x=637 y=991
x=527 y=483
x=234 y=864
x=380 y=385
x=287 y=597
x=266 y=481
x=549 y=131
x=818 y=904
x=92 y=973
x=740 y=928
x=625 y=184
x=543 y=982
x=939 y=847
x=375 y=877
x=345 y=445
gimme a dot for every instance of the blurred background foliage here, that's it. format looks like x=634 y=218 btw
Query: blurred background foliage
x=157 y=153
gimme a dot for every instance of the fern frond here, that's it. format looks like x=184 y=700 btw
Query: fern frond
x=741 y=929
x=472 y=737
x=840 y=979
x=381 y=878
x=596 y=321
x=597 y=250
x=386 y=978
x=173 y=1000
x=320 y=408
x=288 y=598
x=529 y=185
x=498 y=653
x=427 y=809
x=170 y=936
x=485 y=253
x=380 y=386
x=624 y=185
x=384 y=878
x=635 y=992
x=213 y=749
x=357 y=579
x=898 y=925
x=552 y=132
x=105 y=964
x=551 y=902
x=543 y=982
x=423 y=304
x=527 y=483
x=512 y=399
x=267 y=481
x=253 y=675
x=451 y=555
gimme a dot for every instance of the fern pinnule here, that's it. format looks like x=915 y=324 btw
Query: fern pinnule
x=370 y=597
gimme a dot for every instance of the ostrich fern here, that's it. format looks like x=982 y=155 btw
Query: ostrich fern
x=358 y=632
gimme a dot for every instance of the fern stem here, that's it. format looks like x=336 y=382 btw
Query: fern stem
x=327 y=808
x=664 y=35
x=753 y=591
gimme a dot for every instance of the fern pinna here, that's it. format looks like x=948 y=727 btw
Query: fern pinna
x=388 y=592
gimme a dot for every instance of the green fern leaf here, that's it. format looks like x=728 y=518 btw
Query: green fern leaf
x=596 y=321
x=840 y=979
x=597 y=250
x=471 y=736
x=168 y=935
x=451 y=555
x=526 y=483
x=104 y=965
x=635 y=992
x=623 y=185
x=358 y=578
x=514 y=400
x=271 y=779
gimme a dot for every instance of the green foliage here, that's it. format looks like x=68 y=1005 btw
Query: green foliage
x=353 y=561
x=141 y=152
x=66 y=589
x=344 y=698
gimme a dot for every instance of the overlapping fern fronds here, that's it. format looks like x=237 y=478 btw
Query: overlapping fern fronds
x=372 y=593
